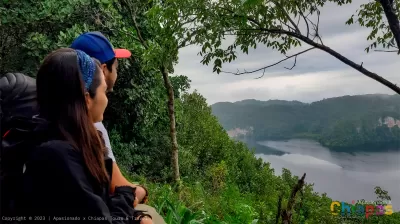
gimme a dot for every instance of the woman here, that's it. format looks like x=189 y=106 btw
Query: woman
x=67 y=176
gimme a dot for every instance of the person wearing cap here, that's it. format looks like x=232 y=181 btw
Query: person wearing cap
x=96 y=45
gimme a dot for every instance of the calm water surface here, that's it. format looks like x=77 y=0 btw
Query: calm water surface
x=343 y=176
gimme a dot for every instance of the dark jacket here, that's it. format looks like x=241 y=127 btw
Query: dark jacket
x=58 y=187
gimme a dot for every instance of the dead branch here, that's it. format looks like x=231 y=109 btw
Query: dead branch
x=393 y=20
x=261 y=75
x=278 y=213
x=287 y=213
x=294 y=64
x=263 y=68
x=301 y=202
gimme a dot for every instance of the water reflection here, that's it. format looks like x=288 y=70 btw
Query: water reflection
x=343 y=176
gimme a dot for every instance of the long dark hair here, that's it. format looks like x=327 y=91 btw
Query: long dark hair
x=61 y=99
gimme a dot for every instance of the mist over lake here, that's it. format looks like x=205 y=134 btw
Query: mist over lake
x=343 y=176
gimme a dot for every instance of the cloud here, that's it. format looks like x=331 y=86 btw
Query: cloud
x=317 y=74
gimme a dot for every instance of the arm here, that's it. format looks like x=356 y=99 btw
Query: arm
x=74 y=182
x=117 y=178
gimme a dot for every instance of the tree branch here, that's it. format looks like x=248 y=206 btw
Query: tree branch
x=386 y=50
x=288 y=17
x=338 y=56
x=133 y=17
x=294 y=64
x=278 y=213
x=139 y=33
x=328 y=50
x=393 y=20
x=99 y=22
x=263 y=68
x=305 y=20
x=287 y=213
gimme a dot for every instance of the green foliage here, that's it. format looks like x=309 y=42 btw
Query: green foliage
x=372 y=16
x=223 y=182
x=30 y=29
x=342 y=122
x=272 y=23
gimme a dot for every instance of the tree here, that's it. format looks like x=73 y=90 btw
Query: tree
x=277 y=24
x=144 y=21
x=30 y=29
x=136 y=114
x=385 y=33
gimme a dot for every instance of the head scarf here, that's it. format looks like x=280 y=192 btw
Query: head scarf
x=87 y=67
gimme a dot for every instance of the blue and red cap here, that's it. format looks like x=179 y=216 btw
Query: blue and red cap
x=96 y=45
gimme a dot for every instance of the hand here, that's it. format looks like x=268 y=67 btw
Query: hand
x=135 y=202
x=141 y=194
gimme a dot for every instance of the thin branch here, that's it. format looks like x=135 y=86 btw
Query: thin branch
x=305 y=20
x=287 y=16
x=133 y=17
x=99 y=22
x=391 y=45
x=298 y=21
x=294 y=64
x=386 y=51
x=253 y=20
x=139 y=33
x=263 y=68
x=317 y=31
x=261 y=75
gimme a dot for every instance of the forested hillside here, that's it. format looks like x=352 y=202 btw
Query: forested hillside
x=340 y=122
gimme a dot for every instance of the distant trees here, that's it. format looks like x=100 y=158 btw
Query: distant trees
x=342 y=122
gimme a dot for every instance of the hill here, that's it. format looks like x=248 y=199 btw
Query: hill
x=340 y=122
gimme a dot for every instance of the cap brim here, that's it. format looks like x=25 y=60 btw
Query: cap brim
x=122 y=53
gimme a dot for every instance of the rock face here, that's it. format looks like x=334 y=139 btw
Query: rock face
x=390 y=122
x=236 y=132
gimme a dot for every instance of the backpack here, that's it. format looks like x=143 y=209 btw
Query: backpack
x=18 y=107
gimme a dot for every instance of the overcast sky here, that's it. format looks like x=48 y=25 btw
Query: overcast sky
x=316 y=76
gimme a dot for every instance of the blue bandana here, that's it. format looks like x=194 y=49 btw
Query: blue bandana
x=87 y=67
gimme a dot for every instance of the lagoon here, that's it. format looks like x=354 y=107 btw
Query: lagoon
x=343 y=176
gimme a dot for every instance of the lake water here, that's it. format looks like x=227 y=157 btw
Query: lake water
x=343 y=176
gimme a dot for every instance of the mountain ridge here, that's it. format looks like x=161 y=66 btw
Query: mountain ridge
x=337 y=122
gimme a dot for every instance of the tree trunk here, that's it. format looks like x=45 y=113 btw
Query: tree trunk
x=287 y=213
x=393 y=20
x=172 y=129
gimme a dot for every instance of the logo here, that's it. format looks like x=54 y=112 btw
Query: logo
x=361 y=208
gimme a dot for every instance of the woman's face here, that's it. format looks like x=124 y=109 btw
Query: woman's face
x=98 y=104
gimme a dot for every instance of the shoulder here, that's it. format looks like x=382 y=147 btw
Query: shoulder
x=56 y=150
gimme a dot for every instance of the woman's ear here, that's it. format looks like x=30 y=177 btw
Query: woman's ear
x=88 y=100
